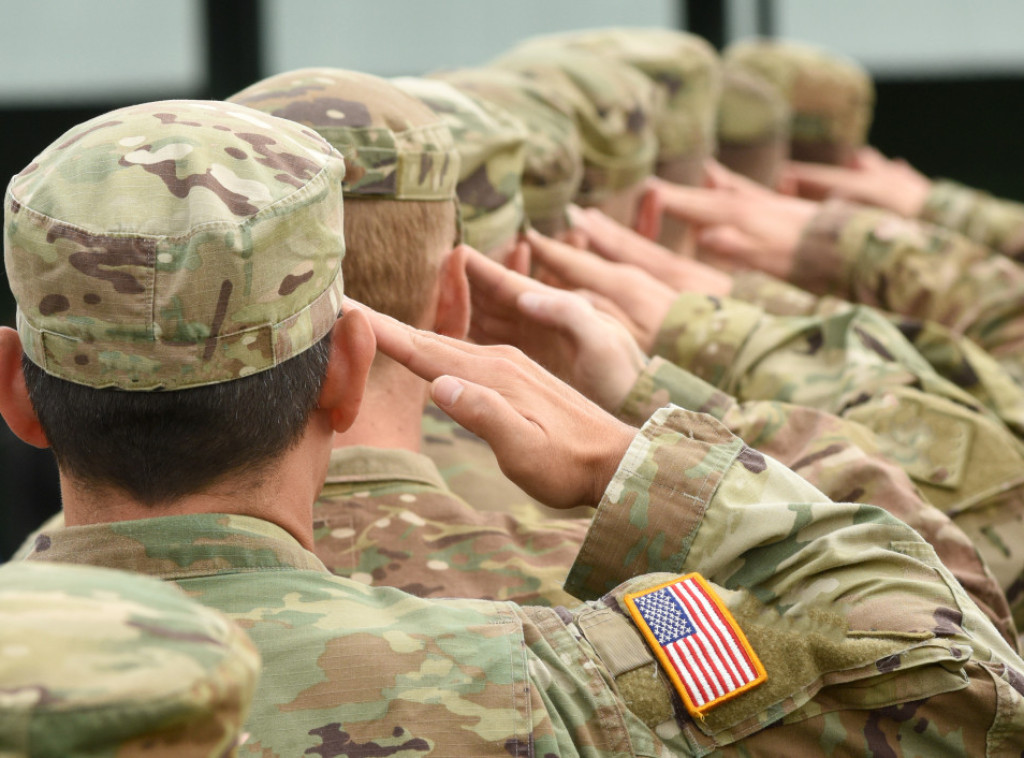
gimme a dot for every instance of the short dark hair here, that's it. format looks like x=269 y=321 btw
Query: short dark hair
x=159 y=446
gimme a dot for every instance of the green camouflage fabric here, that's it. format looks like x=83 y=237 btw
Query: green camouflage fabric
x=753 y=127
x=553 y=160
x=102 y=664
x=394 y=146
x=868 y=641
x=832 y=97
x=613 y=105
x=992 y=221
x=386 y=517
x=875 y=257
x=109 y=298
x=491 y=144
x=683 y=66
x=857 y=365
x=842 y=458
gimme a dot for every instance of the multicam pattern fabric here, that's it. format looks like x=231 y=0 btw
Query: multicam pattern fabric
x=553 y=160
x=394 y=146
x=832 y=97
x=96 y=663
x=352 y=669
x=111 y=299
x=992 y=221
x=683 y=66
x=491 y=144
x=613 y=105
x=903 y=266
x=752 y=127
x=857 y=365
x=386 y=518
x=840 y=457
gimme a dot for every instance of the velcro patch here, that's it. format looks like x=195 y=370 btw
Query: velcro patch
x=697 y=641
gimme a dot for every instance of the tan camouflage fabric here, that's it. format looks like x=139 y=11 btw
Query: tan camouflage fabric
x=386 y=518
x=857 y=365
x=683 y=66
x=97 y=663
x=840 y=457
x=832 y=97
x=394 y=146
x=613 y=105
x=907 y=267
x=992 y=221
x=109 y=298
x=351 y=669
x=491 y=143
x=553 y=160
x=752 y=127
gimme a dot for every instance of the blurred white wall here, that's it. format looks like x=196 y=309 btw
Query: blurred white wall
x=86 y=50
x=69 y=51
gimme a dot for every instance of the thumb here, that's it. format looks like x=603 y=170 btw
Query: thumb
x=479 y=409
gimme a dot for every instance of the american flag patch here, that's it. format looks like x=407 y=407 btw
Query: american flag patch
x=699 y=644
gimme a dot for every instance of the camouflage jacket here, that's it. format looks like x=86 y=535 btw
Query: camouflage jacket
x=840 y=457
x=386 y=517
x=857 y=365
x=992 y=221
x=915 y=269
x=848 y=609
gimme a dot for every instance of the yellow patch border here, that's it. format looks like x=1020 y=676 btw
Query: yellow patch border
x=662 y=656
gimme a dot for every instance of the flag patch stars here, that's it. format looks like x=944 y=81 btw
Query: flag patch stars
x=697 y=641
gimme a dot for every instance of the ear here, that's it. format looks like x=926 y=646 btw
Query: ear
x=15 y=406
x=648 y=214
x=452 y=316
x=353 y=347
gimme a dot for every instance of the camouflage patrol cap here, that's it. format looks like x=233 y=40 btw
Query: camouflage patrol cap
x=175 y=244
x=753 y=127
x=613 y=105
x=394 y=146
x=553 y=167
x=96 y=662
x=832 y=97
x=683 y=66
x=491 y=145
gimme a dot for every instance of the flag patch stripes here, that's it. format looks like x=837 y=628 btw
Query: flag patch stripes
x=698 y=642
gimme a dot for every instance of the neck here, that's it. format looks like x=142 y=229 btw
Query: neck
x=281 y=492
x=391 y=412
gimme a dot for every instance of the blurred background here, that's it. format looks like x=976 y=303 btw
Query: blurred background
x=949 y=77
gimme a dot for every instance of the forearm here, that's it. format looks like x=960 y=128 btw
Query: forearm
x=992 y=221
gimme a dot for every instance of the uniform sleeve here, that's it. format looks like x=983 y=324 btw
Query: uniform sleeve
x=992 y=221
x=907 y=267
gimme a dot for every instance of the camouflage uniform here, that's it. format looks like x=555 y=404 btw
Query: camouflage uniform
x=491 y=144
x=613 y=105
x=848 y=610
x=102 y=663
x=553 y=163
x=832 y=97
x=686 y=71
x=753 y=127
x=992 y=221
x=856 y=364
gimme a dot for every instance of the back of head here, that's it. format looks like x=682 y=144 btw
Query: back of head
x=753 y=127
x=191 y=247
x=553 y=161
x=686 y=71
x=832 y=98
x=614 y=106
x=401 y=172
x=491 y=144
x=95 y=662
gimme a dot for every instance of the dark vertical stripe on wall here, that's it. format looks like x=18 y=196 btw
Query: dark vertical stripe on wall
x=707 y=19
x=234 y=45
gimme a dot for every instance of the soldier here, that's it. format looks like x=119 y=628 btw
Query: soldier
x=197 y=262
x=99 y=662
x=832 y=97
x=752 y=128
